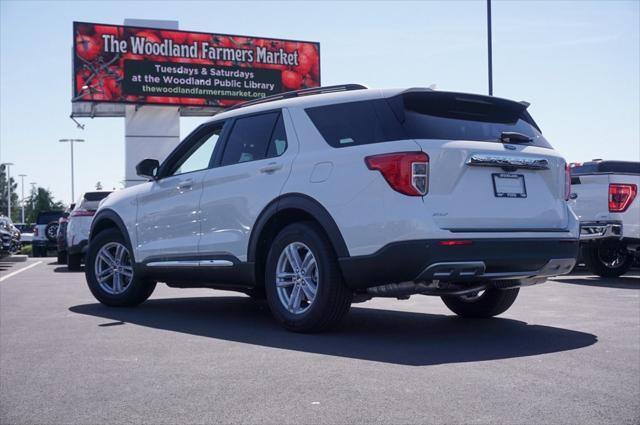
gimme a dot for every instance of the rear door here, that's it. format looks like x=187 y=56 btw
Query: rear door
x=249 y=173
x=168 y=219
x=490 y=167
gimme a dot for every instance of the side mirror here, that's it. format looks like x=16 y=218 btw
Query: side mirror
x=148 y=168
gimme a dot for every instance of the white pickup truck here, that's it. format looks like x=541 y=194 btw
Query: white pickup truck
x=604 y=196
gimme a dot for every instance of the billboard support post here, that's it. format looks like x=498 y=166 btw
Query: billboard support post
x=149 y=131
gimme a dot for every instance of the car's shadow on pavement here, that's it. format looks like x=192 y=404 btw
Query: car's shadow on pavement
x=406 y=338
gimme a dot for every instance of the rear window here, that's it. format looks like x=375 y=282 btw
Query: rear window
x=48 y=217
x=91 y=200
x=424 y=115
x=96 y=196
x=620 y=167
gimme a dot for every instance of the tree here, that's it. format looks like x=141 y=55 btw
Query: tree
x=4 y=193
x=40 y=199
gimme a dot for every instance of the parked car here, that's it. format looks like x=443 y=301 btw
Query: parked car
x=15 y=243
x=604 y=196
x=77 y=229
x=323 y=197
x=26 y=232
x=5 y=242
x=61 y=238
x=45 y=232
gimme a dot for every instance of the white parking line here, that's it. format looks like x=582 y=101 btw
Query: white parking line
x=19 y=271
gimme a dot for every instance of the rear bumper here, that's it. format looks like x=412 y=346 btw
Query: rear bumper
x=482 y=260
x=80 y=248
x=45 y=244
x=600 y=230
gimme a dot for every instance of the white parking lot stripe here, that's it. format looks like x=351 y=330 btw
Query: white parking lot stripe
x=19 y=271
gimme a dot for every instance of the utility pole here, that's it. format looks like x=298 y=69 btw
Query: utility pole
x=7 y=165
x=490 y=58
x=22 y=176
x=71 y=141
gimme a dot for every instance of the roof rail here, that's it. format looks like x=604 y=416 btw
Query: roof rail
x=298 y=93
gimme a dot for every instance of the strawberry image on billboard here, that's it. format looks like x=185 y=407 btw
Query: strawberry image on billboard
x=125 y=64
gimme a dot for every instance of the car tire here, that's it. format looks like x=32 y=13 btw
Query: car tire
x=62 y=257
x=488 y=303
x=74 y=262
x=607 y=259
x=35 y=251
x=295 y=303
x=119 y=290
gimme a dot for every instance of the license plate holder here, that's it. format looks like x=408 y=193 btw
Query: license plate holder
x=507 y=185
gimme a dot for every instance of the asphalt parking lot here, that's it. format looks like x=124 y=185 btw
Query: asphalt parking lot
x=568 y=351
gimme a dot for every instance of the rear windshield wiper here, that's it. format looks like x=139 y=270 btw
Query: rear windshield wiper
x=514 y=137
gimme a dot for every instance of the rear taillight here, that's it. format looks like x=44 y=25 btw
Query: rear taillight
x=621 y=196
x=35 y=231
x=83 y=213
x=406 y=172
x=567 y=181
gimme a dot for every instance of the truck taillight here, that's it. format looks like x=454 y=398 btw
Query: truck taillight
x=406 y=172
x=621 y=196
x=83 y=213
x=567 y=181
x=35 y=231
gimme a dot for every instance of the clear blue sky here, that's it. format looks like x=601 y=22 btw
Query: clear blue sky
x=577 y=62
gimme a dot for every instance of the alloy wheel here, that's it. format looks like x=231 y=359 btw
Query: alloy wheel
x=297 y=278
x=113 y=268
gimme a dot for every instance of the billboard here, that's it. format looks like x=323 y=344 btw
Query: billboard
x=126 y=64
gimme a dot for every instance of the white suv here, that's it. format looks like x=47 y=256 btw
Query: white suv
x=79 y=224
x=323 y=197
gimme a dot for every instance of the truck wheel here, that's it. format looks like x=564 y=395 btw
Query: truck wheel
x=487 y=303
x=608 y=259
x=62 y=257
x=305 y=289
x=74 y=262
x=35 y=251
x=111 y=274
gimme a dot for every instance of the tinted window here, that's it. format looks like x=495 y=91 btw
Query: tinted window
x=356 y=123
x=198 y=156
x=95 y=196
x=249 y=138
x=622 y=167
x=48 y=217
x=452 y=116
x=423 y=115
x=278 y=143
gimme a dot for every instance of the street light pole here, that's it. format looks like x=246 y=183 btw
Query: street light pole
x=7 y=165
x=33 y=193
x=22 y=176
x=71 y=141
x=490 y=53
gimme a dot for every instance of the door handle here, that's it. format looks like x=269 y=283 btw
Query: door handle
x=270 y=168
x=185 y=185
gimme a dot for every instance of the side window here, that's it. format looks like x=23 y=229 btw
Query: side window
x=278 y=143
x=249 y=138
x=356 y=123
x=199 y=155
